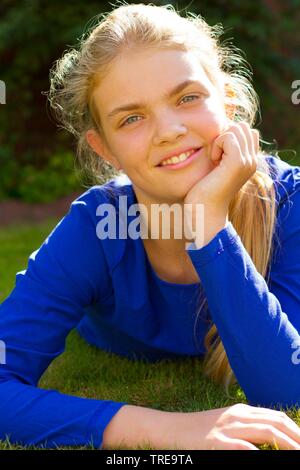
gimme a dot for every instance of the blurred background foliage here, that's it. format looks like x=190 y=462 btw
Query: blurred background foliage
x=37 y=158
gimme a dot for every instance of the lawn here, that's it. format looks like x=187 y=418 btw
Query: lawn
x=86 y=371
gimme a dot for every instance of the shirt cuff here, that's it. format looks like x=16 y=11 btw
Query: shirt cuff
x=103 y=415
x=200 y=256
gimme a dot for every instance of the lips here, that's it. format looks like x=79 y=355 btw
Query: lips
x=182 y=164
x=179 y=152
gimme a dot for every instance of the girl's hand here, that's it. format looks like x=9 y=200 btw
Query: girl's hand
x=234 y=154
x=237 y=427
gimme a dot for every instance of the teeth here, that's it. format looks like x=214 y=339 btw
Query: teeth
x=180 y=158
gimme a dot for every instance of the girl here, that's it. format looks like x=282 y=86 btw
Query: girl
x=148 y=85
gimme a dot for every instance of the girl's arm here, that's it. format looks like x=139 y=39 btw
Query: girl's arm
x=259 y=325
x=236 y=427
x=64 y=275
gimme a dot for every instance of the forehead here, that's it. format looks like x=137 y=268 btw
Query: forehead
x=148 y=74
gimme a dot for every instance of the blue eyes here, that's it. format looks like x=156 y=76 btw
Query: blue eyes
x=190 y=96
x=127 y=121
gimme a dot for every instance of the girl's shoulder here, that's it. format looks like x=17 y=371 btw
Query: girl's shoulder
x=286 y=177
x=108 y=194
x=107 y=207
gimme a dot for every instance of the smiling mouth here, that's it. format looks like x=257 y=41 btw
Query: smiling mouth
x=182 y=163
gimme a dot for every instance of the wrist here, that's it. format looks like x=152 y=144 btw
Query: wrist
x=148 y=428
x=213 y=223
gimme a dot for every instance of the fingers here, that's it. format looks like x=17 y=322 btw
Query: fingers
x=216 y=151
x=239 y=444
x=263 y=425
x=255 y=134
x=248 y=132
x=247 y=138
x=266 y=433
x=248 y=141
x=243 y=137
x=278 y=420
x=227 y=144
x=238 y=140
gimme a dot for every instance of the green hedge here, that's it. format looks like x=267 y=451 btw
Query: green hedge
x=37 y=158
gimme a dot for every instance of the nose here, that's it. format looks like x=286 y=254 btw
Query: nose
x=168 y=128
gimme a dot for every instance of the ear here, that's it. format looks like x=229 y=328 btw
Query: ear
x=229 y=98
x=96 y=142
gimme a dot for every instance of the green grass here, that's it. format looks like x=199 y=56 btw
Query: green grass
x=86 y=371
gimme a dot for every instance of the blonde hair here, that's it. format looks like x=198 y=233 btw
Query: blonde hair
x=73 y=78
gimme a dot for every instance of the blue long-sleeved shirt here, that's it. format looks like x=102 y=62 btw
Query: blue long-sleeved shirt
x=108 y=290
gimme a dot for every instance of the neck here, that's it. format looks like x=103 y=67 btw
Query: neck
x=165 y=230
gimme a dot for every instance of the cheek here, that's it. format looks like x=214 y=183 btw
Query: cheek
x=212 y=120
x=133 y=141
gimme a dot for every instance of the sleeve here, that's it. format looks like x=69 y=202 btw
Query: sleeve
x=259 y=324
x=67 y=273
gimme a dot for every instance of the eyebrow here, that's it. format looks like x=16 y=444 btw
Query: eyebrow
x=174 y=91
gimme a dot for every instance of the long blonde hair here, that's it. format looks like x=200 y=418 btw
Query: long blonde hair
x=73 y=78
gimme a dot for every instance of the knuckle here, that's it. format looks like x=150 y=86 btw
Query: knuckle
x=240 y=406
x=244 y=124
x=237 y=409
x=269 y=431
x=231 y=135
x=226 y=419
x=282 y=418
x=238 y=130
x=235 y=125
